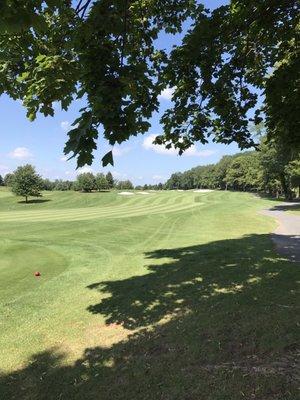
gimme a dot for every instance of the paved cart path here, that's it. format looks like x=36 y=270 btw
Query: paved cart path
x=287 y=234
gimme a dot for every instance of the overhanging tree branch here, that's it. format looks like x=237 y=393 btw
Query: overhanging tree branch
x=83 y=8
x=124 y=33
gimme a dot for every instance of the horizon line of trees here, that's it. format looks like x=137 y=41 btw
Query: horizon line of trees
x=25 y=182
x=270 y=169
x=85 y=182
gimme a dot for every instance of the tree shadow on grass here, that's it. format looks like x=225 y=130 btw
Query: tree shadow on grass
x=274 y=199
x=190 y=278
x=34 y=201
x=215 y=321
x=287 y=207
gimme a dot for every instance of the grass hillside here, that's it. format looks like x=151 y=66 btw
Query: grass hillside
x=171 y=295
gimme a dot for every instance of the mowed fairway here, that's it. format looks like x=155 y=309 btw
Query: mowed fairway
x=173 y=295
x=133 y=207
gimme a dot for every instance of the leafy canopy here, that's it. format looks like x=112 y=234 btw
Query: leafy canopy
x=101 y=182
x=8 y=179
x=106 y=52
x=86 y=182
x=26 y=182
x=127 y=185
x=273 y=169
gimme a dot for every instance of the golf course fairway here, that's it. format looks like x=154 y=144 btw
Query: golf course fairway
x=171 y=295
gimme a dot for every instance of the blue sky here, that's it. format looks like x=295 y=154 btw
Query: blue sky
x=41 y=143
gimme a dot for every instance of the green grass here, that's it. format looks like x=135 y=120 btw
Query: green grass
x=295 y=210
x=175 y=295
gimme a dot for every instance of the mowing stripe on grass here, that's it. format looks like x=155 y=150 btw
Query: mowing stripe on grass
x=78 y=214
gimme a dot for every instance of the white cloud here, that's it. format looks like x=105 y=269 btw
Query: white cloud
x=157 y=148
x=166 y=94
x=21 y=153
x=158 y=177
x=120 y=151
x=65 y=126
x=63 y=158
x=161 y=149
x=85 y=169
x=119 y=175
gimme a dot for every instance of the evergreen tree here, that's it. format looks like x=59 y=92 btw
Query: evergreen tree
x=110 y=180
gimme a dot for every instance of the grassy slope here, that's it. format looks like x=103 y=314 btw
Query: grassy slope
x=180 y=299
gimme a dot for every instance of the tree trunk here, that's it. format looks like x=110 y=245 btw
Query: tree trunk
x=26 y=199
x=286 y=190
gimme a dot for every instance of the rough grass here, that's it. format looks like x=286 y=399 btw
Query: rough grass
x=295 y=209
x=168 y=296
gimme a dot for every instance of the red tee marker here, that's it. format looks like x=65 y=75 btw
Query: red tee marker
x=37 y=273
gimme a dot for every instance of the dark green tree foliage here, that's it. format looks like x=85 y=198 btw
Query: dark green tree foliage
x=8 y=179
x=293 y=173
x=106 y=52
x=26 y=182
x=273 y=169
x=221 y=170
x=204 y=177
x=101 y=182
x=274 y=159
x=223 y=63
x=158 y=186
x=47 y=185
x=175 y=181
x=1 y=181
x=244 y=172
x=125 y=185
x=102 y=50
x=86 y=182
x=110 y=180
x=61 y=185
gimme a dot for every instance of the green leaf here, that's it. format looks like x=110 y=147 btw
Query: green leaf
x=108 y=159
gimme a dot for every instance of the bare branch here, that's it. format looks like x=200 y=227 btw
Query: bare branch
x=78 y=6
x=83 y=8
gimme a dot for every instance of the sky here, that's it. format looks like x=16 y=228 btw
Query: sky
x=41 y=142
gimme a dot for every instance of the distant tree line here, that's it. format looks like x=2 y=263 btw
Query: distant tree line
x=272 y=170
x=85 y=182
x=24 y=181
